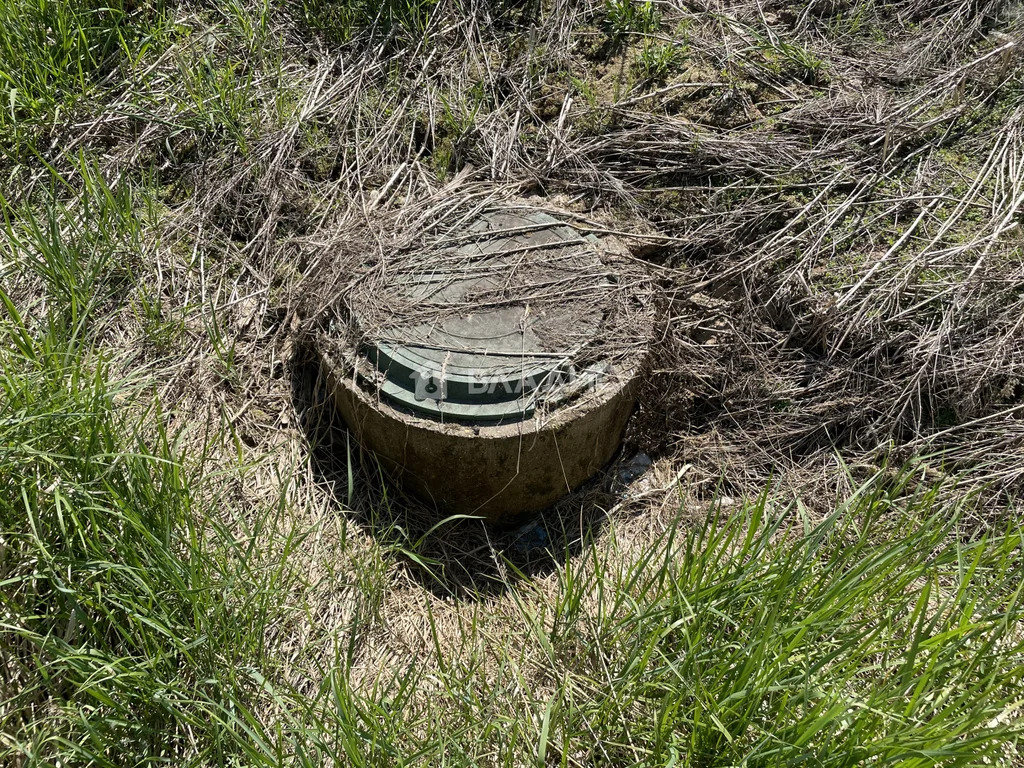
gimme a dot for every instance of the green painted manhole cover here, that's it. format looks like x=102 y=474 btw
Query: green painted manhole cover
x=493 y=325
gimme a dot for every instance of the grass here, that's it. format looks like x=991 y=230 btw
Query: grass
x=654 y=62
x=125 y=622
x=56 y=54
x=726 y=646
x=185 y=579
x=339 y=22
x=625 y=17
x=136 y=623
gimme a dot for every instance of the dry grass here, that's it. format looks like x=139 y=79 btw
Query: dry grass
x=827 y=195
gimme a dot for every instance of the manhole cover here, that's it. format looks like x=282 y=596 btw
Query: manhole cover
x=478 y=338
x=490 y=360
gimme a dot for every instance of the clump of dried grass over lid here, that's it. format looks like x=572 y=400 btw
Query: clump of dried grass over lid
x=583 y=302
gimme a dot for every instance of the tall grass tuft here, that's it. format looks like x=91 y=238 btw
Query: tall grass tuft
x=887 y=634
x=882 y=635
x=53 y=54
x=128 y=616
x=341 y=21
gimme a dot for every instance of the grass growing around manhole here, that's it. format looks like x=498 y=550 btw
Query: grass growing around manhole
x=139 y=627
x=823 y=564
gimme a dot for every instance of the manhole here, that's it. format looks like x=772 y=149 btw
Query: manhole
x=490 y=361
